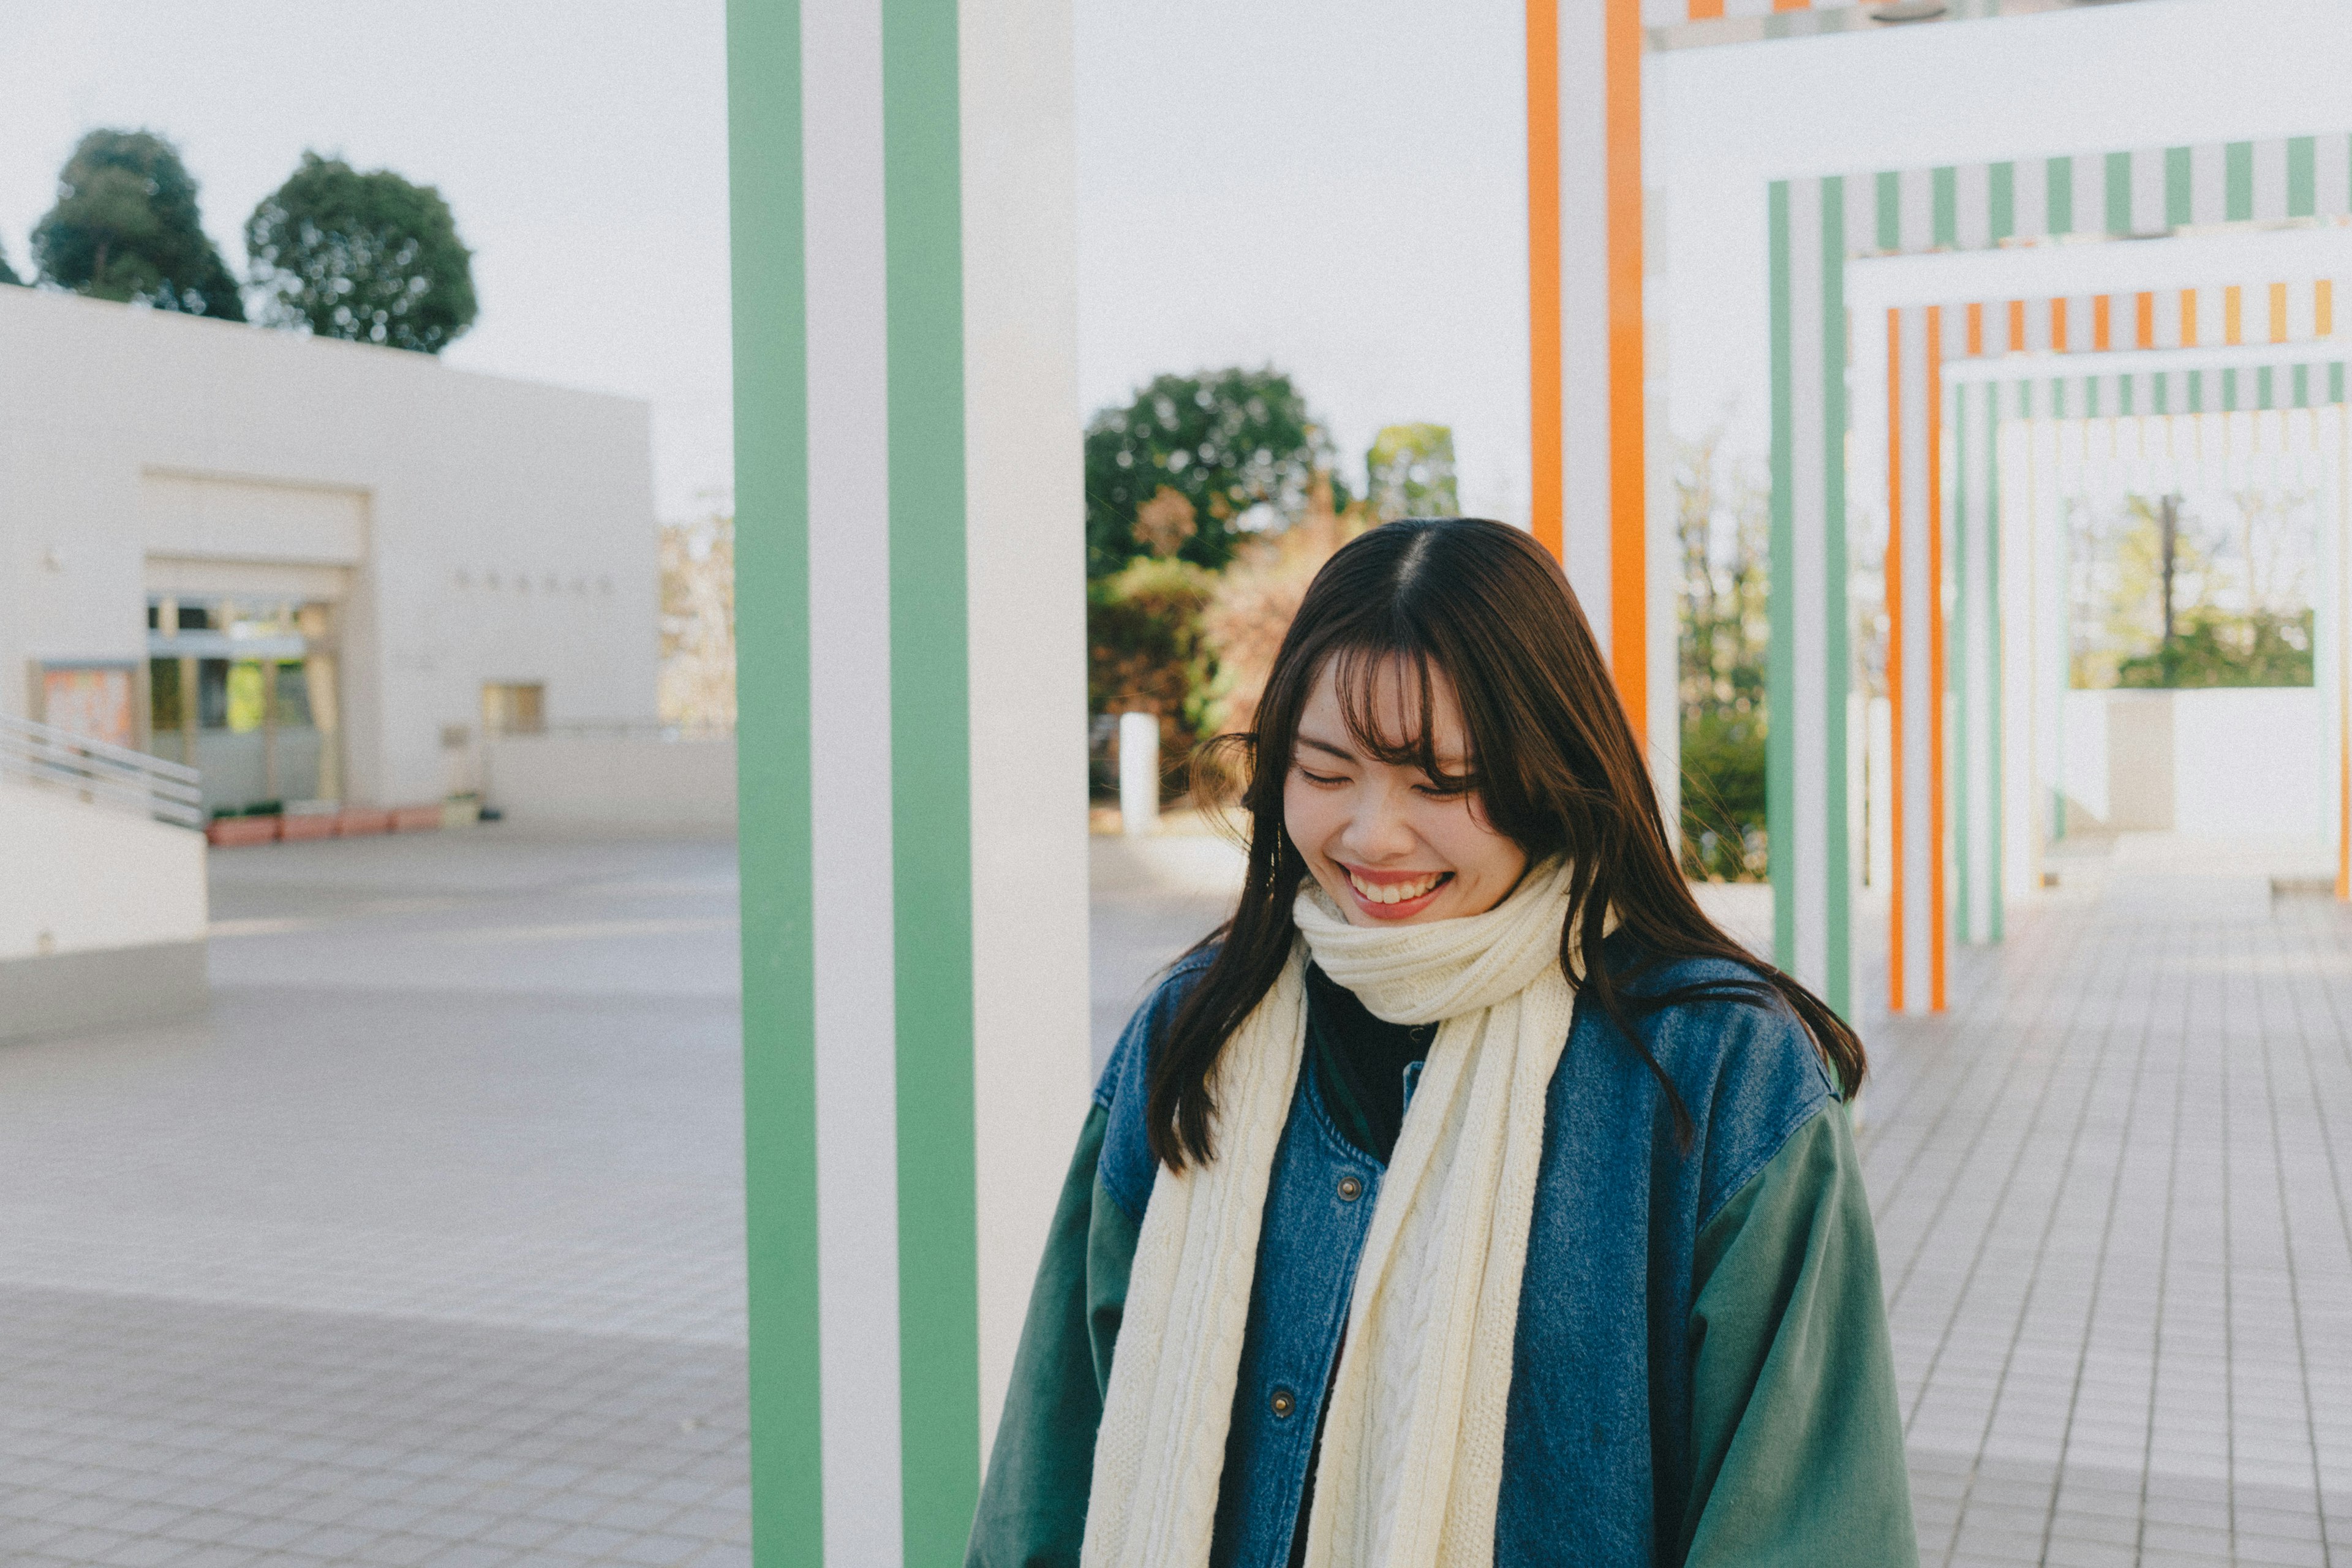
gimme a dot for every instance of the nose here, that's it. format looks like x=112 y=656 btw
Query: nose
x=1377 y=830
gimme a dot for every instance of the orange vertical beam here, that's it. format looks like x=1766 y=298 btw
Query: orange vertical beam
x=1629 y=597
x=2101 y=322
x=1705 y=10
x=2234 y=315
x=1976 y=330
x=2278 y=313
x=1544 y=411
x=1938 y=655
x=2143 y=324
x=2017 y=326
x=2189 y=318
x=2323 y=307
x=1892 y=574
x=2058 y=325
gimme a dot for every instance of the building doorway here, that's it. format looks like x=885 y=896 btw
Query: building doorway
x=247 y=690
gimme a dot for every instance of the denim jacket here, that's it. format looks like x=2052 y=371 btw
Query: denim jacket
x=1702 y=1373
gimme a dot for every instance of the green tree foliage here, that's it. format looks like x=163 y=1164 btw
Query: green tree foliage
x=365 y=257
x=1225 y=441
x=8 y=273
x=1408 y=472
x=1725 y=529
x=1146 y=651
x=2210 y=648
x=126 y=226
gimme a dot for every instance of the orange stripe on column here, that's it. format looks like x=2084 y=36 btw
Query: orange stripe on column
x=1893 y=573
x=1792 y=5
x=1937 y=655
x=2017 y=326
x=2101 y=317
x=1976 y=330
x=2234 y=315
x=2278 y=313
x=2189 y=318
x=1629 y=641
x=2323 y=307
x=2144 y=326
x=1544 y=412
x=2058 y=326
x=1705 y=10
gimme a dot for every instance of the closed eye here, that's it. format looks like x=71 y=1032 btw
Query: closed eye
x=1324 y=779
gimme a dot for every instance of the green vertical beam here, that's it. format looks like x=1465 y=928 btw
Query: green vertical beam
x=2060 y=207
x=1837 y=653
x=1780 y=670
x=2237 y=181
x=931 y=785
x=1946 y=187
x=2120 y=182
x=1956 y=659
x=1890 y=212
x=2302 y=176
x=2179 y=187
x=771 y=652
x=2002 y=196
x=1997 y=783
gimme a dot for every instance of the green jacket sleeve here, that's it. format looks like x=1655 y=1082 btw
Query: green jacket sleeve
x=1797 y=1444
x=1032 y=1502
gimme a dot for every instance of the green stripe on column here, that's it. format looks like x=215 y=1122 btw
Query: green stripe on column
x=1997 y=788
x=1890 y=212
x=1780 y=670
x=2302 y=177
x=930 y=785
x=771 y=652
x=1946 y=187
x=1837 y=844
x=2237 y=181
x=1956 y=659
x=2119 y=182
x=2060 y=208
x=2179 y=187
x=2001 y=192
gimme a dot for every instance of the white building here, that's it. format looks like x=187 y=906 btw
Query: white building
x=314 y=569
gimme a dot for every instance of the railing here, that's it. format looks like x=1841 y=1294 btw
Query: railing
x=106 y=774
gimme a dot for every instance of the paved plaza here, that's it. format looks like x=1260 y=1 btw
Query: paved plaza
x=424 y=1246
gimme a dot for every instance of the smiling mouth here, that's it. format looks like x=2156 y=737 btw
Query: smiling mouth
x=1405 y=890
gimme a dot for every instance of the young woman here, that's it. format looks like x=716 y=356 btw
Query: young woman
x=1469 y=1198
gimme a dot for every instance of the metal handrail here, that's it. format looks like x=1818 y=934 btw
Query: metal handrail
x=101 y=772
x=619 y=729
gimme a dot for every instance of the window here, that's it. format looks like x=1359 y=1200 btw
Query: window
x=511 y=708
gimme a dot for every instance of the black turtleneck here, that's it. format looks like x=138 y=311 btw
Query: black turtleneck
x=1359 y=1064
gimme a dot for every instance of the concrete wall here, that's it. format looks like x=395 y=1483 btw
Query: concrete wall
x=102 y=914
x=474 y=528
x=558 y=780
x=2225 y=764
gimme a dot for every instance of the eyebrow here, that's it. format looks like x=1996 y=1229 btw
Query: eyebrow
x=1305 y=739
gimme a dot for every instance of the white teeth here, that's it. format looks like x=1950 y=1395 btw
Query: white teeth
x=1393 y=892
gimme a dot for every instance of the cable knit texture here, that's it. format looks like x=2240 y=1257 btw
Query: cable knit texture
x=1411 y=1460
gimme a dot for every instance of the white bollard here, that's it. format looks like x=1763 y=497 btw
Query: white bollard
x=1138 y=773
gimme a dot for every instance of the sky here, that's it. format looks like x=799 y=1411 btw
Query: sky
x=1337 y=189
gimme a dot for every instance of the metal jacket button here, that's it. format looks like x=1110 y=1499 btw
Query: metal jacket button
x=1283 y=1402
x=1350 y=1189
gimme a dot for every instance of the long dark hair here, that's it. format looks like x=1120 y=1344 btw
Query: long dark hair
x=1553 y=764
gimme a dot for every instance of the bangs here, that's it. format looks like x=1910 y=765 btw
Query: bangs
x=1387 y=697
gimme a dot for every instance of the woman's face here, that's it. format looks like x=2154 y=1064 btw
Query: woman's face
x=1387 y=842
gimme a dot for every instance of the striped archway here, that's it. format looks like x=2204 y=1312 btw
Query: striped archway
x=1833 y=244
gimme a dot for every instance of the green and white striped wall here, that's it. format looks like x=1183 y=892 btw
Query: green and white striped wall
x=911 y=666
x=1945 y=662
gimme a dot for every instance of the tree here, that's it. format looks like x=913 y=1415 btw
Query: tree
x=8 y=273
x=365 y=257
x=126 y=226
x=1723 y=519
x=1408 y=472
x=1226 y=442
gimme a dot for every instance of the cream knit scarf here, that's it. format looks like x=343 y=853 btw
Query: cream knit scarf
x=1412 y=1461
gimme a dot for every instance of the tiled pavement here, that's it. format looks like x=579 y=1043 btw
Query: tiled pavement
x=2112 y=1200
x=424 y=1248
